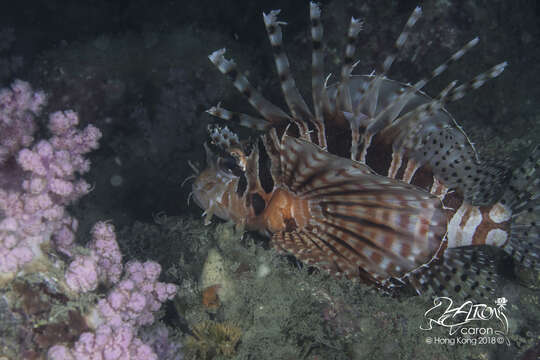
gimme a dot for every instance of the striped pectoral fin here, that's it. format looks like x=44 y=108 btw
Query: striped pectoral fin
x=305 y=167
x=366 y=234
x=357 y=223
x=329 y=255
x=381 y=228
x=335 y=256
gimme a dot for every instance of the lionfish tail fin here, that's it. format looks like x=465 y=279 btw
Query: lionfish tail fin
x=466 y=273
x=523 y=198
x=357 y=223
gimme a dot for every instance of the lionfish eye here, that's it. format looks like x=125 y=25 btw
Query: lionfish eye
x=228 y=164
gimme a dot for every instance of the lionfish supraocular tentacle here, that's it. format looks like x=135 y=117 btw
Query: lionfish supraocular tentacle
x=407 y=198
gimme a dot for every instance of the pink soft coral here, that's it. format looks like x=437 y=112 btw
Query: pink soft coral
x=18 y=106
x=36 y=183
x=134 y=299
x=116 y=318
x=103 y=263
x=105 y=343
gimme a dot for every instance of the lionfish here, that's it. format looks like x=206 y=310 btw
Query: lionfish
x=377 y=182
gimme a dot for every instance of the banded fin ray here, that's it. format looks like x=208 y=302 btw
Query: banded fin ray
x=295 y=102
x=403 y=119
x=426 y=136
x=387 y=115
x=269 y=111
x=320 y=97
x=424 y=132
x=367 y=103
x=242 y=119
x=344 y=97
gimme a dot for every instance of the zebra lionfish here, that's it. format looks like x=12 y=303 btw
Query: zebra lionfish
x=377 y=182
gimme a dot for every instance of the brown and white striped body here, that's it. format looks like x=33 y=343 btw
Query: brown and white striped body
x=378 y=182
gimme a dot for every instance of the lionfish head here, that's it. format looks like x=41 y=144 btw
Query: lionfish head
x=215 y=188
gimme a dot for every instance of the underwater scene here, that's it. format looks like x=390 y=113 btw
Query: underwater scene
x=272 y=179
